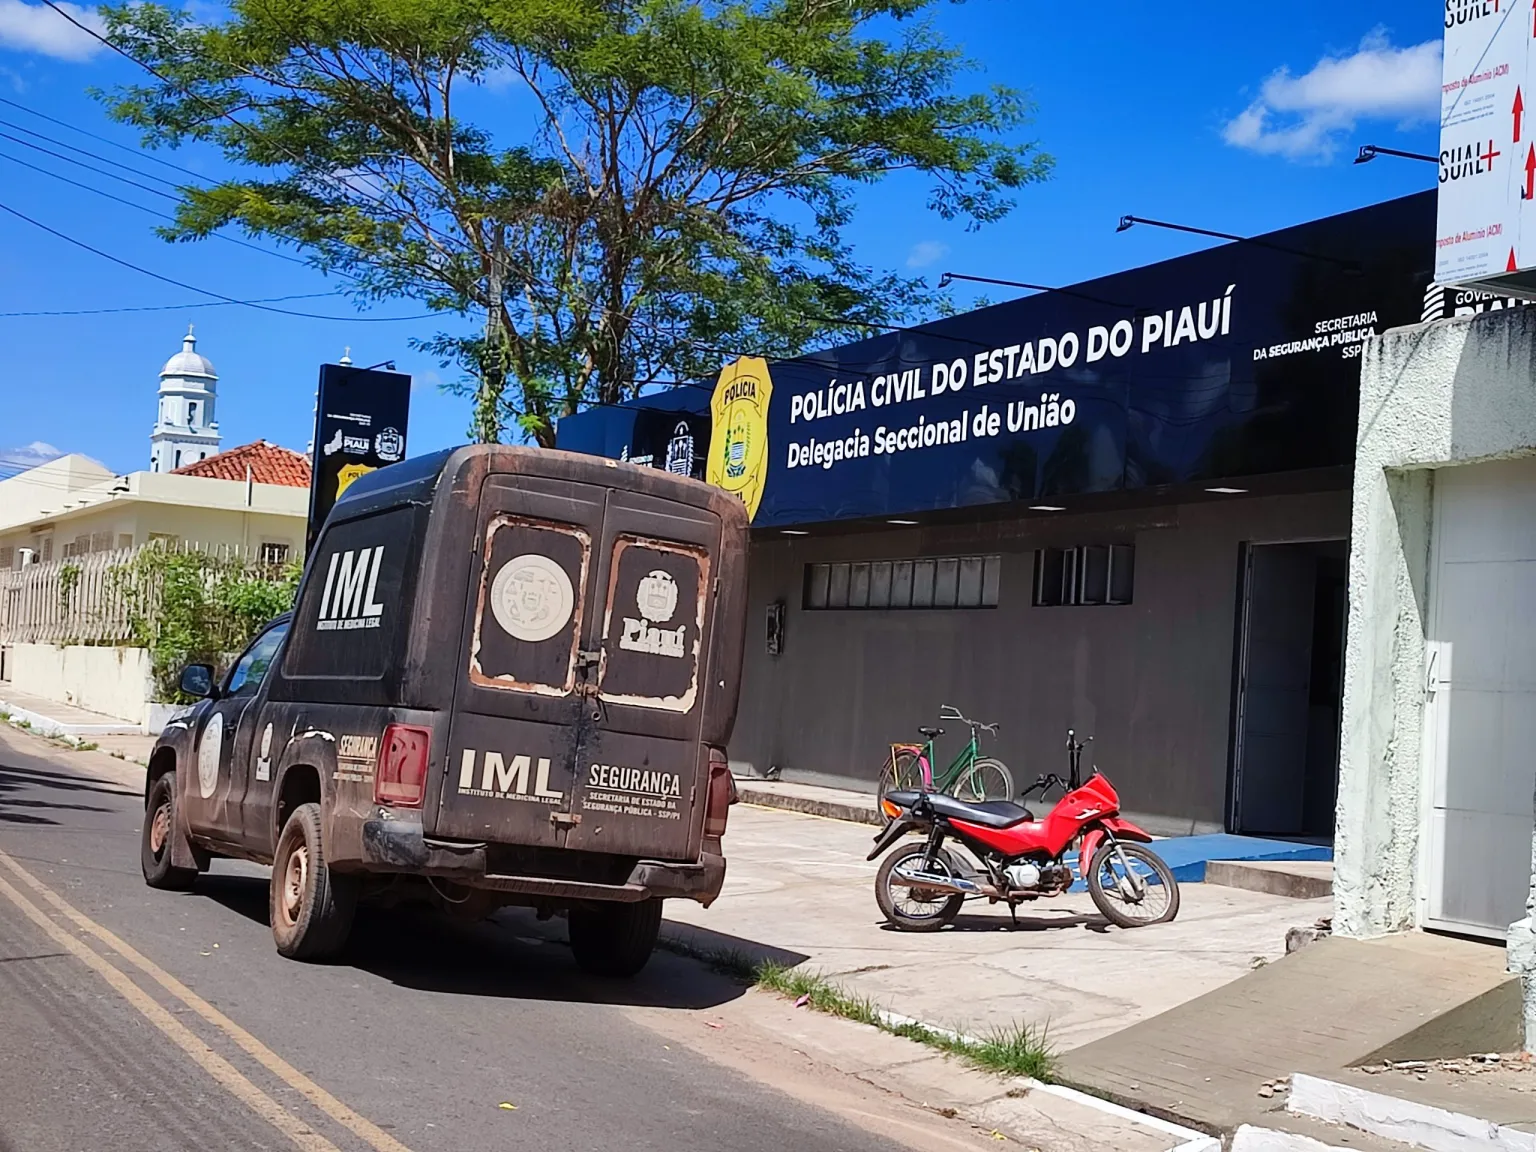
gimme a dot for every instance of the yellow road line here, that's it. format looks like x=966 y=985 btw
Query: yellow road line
x=364 y=1128
x=205 y=1057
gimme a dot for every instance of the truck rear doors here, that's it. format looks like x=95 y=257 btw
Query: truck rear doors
x=582 y=671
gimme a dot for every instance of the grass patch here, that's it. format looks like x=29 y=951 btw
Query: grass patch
x=1015 y=1049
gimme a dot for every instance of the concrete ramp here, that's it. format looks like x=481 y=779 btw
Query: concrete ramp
x=1331 y=1005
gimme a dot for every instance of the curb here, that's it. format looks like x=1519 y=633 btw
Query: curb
x=1407 y=1121
x=807 y=805
x=1190 y=1139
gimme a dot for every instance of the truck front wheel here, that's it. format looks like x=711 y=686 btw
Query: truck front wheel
x=156 y=836
x=615 y=939
x=311 y=906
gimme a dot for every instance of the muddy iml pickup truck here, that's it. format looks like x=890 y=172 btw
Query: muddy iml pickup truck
x=509 y=678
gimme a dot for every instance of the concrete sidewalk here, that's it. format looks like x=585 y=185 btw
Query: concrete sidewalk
x=51 y=718
x=798 y=890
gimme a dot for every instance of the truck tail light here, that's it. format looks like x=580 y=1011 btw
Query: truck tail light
x=401 y=775
x=722 y=794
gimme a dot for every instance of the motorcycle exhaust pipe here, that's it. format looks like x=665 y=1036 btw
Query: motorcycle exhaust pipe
x=943 y=882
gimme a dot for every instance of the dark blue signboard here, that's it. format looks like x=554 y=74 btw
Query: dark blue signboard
x=1233 y=362
x=361 y=418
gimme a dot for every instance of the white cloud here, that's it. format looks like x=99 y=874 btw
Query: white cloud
x=926 y=252
x=38 y=28
x=1305 y=117
x=28 y=456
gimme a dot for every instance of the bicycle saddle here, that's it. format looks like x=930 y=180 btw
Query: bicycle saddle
x=931 y=732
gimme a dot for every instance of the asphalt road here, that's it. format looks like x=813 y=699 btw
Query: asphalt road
x=135 y=1020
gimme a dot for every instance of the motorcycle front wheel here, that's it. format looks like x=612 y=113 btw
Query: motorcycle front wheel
x=1132 y=886
x=910 y=907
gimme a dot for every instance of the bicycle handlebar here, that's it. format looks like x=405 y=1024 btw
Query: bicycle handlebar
x=950 y=712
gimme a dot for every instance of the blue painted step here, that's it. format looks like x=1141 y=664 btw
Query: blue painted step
x=1187 y=855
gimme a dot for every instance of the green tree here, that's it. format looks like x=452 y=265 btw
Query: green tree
x=681 y=179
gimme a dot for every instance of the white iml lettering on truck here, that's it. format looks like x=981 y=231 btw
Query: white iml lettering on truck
x=347 y=600
x=500 y=780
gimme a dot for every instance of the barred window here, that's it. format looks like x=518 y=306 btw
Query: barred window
x=1090 y=574
x=892 y=585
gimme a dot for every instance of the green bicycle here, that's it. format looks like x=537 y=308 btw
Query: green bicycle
x=970 y=775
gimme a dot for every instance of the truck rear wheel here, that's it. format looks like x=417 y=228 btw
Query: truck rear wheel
x=615 y=939
x=311 y=906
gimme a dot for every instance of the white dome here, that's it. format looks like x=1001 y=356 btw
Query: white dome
x=188 y=362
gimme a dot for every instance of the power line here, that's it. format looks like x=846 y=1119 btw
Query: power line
x=167 y=216
x=202 y=291
x=112 y=143
x=93 y=155
x=167 y=307
x=91 y=167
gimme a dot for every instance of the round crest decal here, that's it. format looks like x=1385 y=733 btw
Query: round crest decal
x=532 y=598
x=657 y=597
x=208 y=748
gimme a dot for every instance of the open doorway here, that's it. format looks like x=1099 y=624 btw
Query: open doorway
x=1289 y=690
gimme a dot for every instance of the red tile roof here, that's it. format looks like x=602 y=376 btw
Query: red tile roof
x=269 y=464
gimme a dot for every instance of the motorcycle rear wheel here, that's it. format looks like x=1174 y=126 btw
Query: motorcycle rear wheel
x=907 y=913
x=1114 y=895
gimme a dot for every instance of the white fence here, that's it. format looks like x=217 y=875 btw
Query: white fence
x=86 y=599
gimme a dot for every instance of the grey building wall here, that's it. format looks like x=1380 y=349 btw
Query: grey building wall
x=1452 y=392
x=1151 y=681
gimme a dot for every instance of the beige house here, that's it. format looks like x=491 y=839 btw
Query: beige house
x=254 y=499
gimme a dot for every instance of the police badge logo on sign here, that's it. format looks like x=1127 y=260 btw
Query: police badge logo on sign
x=738 y=445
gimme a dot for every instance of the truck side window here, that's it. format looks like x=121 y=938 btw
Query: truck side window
x=251 y=669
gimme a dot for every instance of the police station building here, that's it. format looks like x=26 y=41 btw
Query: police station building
x=1121 y=507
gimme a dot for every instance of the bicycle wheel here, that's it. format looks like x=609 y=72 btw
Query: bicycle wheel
x=987 y=779
x=903 y=772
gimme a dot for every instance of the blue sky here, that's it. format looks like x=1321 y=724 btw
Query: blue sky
x=1240 y=118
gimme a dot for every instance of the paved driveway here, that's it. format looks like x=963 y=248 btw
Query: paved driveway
x=798 y=888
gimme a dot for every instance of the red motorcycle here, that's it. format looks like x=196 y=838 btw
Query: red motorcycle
x=921 y=886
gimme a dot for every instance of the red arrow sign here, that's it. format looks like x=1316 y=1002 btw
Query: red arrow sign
x=1510 y=267
x=1530 y=172
x=1519 y=112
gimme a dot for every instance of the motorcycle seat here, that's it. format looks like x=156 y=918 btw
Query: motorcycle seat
x=987 y=813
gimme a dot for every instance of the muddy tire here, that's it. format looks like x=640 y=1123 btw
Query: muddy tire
x=156 y=836
x=914 y=913
x=614 y=939
x=1159 y=901
x=310 y=905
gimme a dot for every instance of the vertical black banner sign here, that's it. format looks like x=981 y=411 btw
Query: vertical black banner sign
x=360 y=425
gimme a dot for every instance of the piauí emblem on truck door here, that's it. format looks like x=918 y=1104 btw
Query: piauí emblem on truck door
x=738 y=439
x=656 y=598
x=532 y=598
